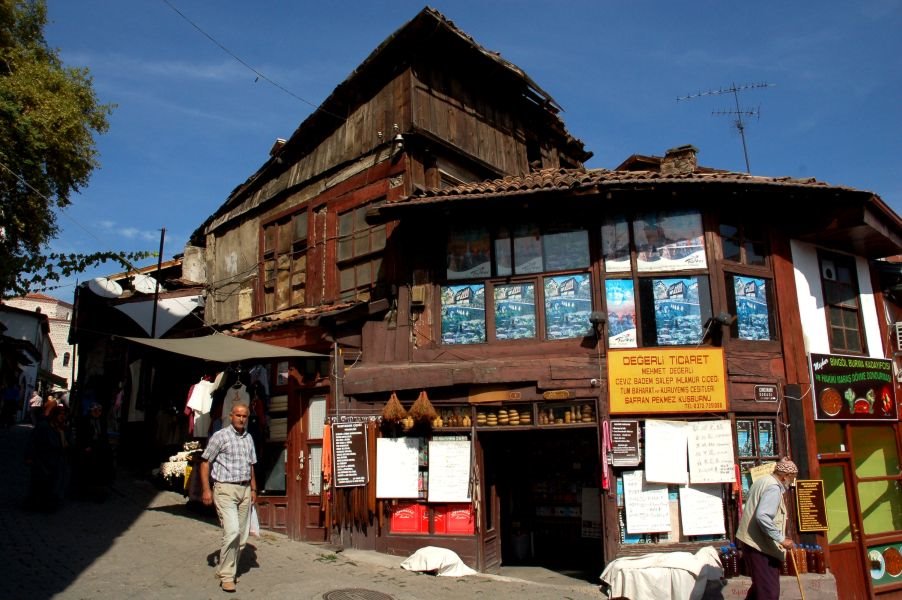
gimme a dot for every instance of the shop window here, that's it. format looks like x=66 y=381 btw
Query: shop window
x=568 y=302
x=620 y=299
x=875 y=451
x=743 y=243
x=285 y=262
x=469 y=253
x=751 y=300
x=837 y=505
x=840 y=286
x=515 y=311
x=829 y=437
x=881 y=506
x=673 y=309
x=359 y=256
x=669 y=241
x=756 y=442
x=615 y=245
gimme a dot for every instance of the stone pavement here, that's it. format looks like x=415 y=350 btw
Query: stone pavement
x=145 y=543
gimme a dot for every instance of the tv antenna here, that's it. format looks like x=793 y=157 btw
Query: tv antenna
x=738 y=112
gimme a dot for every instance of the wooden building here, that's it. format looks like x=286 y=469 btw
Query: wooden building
x=432 y=227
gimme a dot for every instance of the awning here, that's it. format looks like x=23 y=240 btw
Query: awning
x=223 y=348
x=51 y=378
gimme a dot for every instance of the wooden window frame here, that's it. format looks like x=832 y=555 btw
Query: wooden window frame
x=293 y=250
x=826 y=261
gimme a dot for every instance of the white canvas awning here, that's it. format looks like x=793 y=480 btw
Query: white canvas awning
x=223 y=348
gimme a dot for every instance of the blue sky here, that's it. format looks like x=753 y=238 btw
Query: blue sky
x=192 y=123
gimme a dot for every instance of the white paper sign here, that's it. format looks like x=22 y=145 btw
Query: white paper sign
x=701 y=509
x=711 y=452
x=665 y=451
x=647 y=508
x=449 y=471
x=396 y=467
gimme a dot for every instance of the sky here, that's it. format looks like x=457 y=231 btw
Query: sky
x=193 y=119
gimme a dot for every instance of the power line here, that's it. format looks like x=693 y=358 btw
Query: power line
x=243 y=63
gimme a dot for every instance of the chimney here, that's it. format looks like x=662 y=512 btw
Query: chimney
x=681 y=160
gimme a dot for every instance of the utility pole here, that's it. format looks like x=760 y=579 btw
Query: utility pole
x=738 y=112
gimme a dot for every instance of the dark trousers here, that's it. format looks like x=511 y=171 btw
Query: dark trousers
x=765 y=573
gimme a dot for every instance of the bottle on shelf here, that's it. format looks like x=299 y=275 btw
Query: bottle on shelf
x=820 y=561
x=790 y=562
x=724 y=556
x=737 y=553
x=801 y=561
x=812 y=558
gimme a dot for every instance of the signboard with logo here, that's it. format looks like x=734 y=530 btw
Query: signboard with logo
x=853 y=388
x=657 y=380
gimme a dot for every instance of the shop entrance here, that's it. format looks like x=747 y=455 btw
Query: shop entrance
x=541 y=501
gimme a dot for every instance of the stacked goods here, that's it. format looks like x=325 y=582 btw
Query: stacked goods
x=503 y=418
x=587 y=413
x=525 y=416
x=513 y=416
x=491 y=419
x=481 y=418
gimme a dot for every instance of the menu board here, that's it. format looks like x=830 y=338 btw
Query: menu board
x=397 y=467
x=449 y=471
x=350 y=454
x=711 y=452
x=647 y=506
x=665 y=451
x=699 y=505
x=625 y=444
x=812 y=508
x=853 y=388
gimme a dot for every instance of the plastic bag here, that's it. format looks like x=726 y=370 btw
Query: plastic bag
x=254 y=522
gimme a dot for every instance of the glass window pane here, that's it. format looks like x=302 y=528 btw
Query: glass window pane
x=361 y=243
x=881 y=506
x=468 y=253
x=729 y=235
x=673 y=310
x=360 y=219
x=566 y=250
x=378 y=237
x=527 y=249
x=829 y=437
x=346 y=224
x=620 y=298
x=346 y=278
x=875 y=451
x=755 y=253
x=839 y=529
x=300 y=226
x=314 y=470
x=669 y=241
x=503 y=252
x=364 y=274
x=568 y=302
x=615 y=245
x=463 y=314
x=269 y=238
x=316 y=417
x=345 y=248
x=515 y=311
x=284 y=236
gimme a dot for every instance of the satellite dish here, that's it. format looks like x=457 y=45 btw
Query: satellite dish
x=105 y=288
x=145 y=284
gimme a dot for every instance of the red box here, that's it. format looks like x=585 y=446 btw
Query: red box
x=409 y=517
x=454 y=519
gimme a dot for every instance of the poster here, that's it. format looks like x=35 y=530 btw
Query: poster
x=647 y=507
x=621 y=302
x=615 y=245
x=463 y=314
x=396 y=467
x=568 y=302
x=711 y=452
x=515 y=311
x=449 y=471
x=753 y=318
x=678 y=311
x=666 y=451
x=468 y=254
x=745 y=437
x=669 y=241
x=701 y=510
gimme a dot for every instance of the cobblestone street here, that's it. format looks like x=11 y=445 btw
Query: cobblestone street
x=146 y=543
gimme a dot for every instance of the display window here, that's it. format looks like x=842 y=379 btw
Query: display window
x=750 y=299
x=620 y=299
x=515 y=311
x=756 y=443
x=669 y=241
x=568 y=302
x=673 y=309
x=463 y=314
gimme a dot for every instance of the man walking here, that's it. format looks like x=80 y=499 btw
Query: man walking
x=231 y=452
x=762 y=531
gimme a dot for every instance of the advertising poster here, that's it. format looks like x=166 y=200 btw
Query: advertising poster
x=621 y=302
x=647 y=505
x=753 y=317
x=515 y=311
x=678 y=314
x=468 y=254
x=463 y=314
x=669 y=241
x=568 y=302
x=853 y=388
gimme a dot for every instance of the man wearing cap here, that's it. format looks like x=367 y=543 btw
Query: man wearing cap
x=231 y=452
x=762 y=530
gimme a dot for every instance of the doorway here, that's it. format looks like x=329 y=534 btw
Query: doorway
x=844 y=533
x=538 y=483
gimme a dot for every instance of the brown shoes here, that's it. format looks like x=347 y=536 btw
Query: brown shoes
x=227 y=586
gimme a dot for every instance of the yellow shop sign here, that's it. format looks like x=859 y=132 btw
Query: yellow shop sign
x=654 y=380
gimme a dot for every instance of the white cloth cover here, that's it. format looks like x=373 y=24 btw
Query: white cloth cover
x=662 y=575
x=441 y=561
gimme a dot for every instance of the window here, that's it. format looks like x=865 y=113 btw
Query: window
x=743 y=243
x=673 y=309
x=285 y=262
x=359 y=253
x=750 y=299
x=65 y=359
x=840 y=286
x=515 y=311
x=756 y=442
x=669 y=241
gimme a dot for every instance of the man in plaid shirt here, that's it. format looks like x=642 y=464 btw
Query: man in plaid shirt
x=231 y=452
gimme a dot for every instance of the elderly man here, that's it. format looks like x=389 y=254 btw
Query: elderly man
x=232 y=455
x=762 y=531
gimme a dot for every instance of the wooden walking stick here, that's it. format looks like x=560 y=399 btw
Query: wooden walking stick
x=795 y=568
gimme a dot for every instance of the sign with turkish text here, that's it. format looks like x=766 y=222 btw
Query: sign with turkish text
x=812 y=507
x=657 y=380
x=853 y=388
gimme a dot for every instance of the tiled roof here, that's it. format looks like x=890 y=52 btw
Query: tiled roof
x=561 y=180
